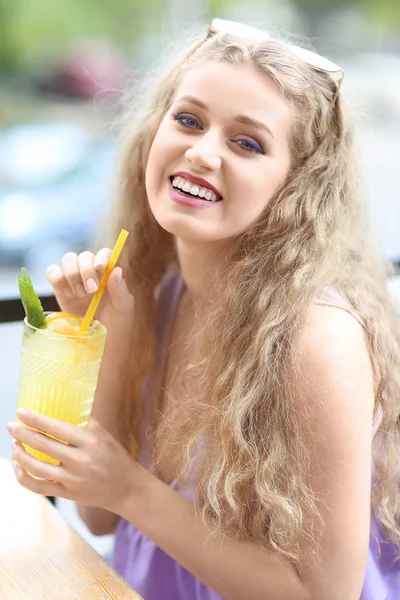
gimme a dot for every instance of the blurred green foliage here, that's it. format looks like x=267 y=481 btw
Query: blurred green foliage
x=385 y=13
x=32 y=31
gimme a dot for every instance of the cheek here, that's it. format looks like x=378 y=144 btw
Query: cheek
x=253 y=192
x=264 y=187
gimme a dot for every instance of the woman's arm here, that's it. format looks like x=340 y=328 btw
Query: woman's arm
x=235 y=570
x=336 y=383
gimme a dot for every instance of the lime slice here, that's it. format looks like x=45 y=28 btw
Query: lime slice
x=30 y=301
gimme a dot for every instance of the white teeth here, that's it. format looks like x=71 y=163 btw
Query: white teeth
x=193 y=189
x=178 y=182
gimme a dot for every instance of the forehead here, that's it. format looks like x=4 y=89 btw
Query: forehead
x=237 y=89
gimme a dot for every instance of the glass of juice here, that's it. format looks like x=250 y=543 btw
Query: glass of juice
x=59 y=371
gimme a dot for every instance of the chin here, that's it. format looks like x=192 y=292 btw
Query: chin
x=186 y=224
x=181 y=227
x=186 y=227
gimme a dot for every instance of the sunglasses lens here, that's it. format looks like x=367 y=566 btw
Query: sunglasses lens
x=239 y=29
x=252 y=33
x=315 y=60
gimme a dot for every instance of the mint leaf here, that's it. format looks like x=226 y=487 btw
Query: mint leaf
x=30 y=301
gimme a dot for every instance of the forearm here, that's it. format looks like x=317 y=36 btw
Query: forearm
x=98 y=520
x=235 y=570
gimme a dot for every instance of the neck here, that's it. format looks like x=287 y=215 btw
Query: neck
x=201 y=266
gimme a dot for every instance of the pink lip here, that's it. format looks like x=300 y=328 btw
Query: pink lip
x=195 y=202
x=198 y=181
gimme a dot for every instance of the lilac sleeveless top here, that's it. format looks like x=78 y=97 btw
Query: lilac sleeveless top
x=155 y=575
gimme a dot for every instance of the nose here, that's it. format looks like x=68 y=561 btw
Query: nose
x=204 y=154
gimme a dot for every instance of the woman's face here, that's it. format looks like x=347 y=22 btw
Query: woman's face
x=220 y=153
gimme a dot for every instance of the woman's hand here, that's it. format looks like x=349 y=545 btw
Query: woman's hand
x=78 y=278
x=95 y=469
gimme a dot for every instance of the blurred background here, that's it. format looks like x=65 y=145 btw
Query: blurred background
x=63 y=69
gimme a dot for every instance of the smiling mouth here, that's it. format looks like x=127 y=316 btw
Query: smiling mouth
x=192 y=190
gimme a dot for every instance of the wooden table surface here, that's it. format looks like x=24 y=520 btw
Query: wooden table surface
x=42 y=557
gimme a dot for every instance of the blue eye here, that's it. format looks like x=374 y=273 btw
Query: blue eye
x=250 y=145
x=187 y=121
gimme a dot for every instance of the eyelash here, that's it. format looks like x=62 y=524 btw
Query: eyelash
x=255 y=148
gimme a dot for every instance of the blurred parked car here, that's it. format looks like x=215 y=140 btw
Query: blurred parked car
x=55 y=186
x=86 y=69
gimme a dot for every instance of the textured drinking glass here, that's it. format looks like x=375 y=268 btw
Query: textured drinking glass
x=58 y=375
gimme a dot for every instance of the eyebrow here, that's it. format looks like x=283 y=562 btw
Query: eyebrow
x=245 y=120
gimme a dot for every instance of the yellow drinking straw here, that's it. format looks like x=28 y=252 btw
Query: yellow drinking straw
x=103 y=282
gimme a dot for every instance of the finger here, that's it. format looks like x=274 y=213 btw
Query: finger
x=39 y=486
x=63 y=431
x=35 y=467
x=101 y=260
x=72 y=274
x=120 y=296
x=59 y=283
x=41 y=442
x=88 y=273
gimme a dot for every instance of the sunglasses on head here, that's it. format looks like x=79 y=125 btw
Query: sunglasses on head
x=318 y=62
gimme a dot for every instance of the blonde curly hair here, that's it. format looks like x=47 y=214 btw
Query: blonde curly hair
x=252 y=479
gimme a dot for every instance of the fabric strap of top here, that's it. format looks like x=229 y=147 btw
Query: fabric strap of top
x=344 y=304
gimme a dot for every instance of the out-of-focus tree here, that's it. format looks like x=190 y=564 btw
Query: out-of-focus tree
x=30 y=31
x=386 y=13
x=33 y=31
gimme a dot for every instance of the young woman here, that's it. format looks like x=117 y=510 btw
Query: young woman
x=244 y=442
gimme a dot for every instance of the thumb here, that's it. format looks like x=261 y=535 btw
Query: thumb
x=120 y=297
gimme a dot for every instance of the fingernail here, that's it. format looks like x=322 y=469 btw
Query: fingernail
x=80 y=290
x=118 y=276
x=10 y=427
x=15 y=444
x=22 y=413
x=16 y=467
x=91 y=285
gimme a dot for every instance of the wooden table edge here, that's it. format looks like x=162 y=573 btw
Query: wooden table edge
x=39 y=549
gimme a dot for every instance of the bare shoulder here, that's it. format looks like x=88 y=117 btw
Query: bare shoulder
x=333 y=360
x=331 y=322
x=335 y=396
